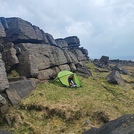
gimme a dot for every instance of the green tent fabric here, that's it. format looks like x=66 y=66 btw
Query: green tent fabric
x=63 y=77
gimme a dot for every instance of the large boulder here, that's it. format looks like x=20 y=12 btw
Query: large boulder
x=61 y=43
x=76 y=56
x=80 y=56
x=115 y=78
x=13 y=96
x=84 y=52
x=30 y=51
x=34 y=54
x=64 y=67
x=72 y=56
x=22 y=31
x=72 y=44
x=19 y=90
x=84 y=72
x=118 y=67
x=50 y=39
x=9 y=56
x=47 y=74
x=122 y=62
x=3 y=76
x=18 y=30
x=121 y=125
x=34 y=58
x=104 y=60
x=73 y=41
x=27 y=65
x=38 y=57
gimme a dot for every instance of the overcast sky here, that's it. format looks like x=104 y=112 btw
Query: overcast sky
x=104 y=27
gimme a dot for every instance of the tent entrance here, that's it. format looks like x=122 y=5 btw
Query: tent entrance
x=69 y=79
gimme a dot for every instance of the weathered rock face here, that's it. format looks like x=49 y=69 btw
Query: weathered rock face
x=35 y=58
x=31 y=50
x=115 y=78
x=3 y=76
x=9 y=56
x=85 y=52
x=17 y=30
x=121 y=125
x=33 y=54
x=18 y=90
x=20 y=30
x=122 y=62
x=73 y=41
x=121 y=70
x=50 y=39
x=103 y=62
x=61 y=43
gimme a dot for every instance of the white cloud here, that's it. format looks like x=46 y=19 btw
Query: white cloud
x=103 y=26
x=78 y=28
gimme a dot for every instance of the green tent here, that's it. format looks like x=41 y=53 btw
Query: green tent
x=64 y=76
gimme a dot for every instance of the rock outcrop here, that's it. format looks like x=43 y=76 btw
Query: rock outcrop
x=118 y=67
x=19 y=90
x=4 y=84
x=103 y=62
x=29 y=50
x=115 y=78
x=121 y=125
x=122 y=62
x=32 y=53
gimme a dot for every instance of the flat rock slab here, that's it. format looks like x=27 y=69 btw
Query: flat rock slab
x=19 y=90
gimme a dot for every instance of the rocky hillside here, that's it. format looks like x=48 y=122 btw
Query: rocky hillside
x=52 y=108
x=35 y=56
x=32 y=53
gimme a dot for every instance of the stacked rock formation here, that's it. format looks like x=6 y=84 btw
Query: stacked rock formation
x=34 y=54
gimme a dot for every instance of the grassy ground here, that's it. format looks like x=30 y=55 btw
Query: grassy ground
x=54 y=109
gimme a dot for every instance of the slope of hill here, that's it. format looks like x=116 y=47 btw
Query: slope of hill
x=55 y=109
